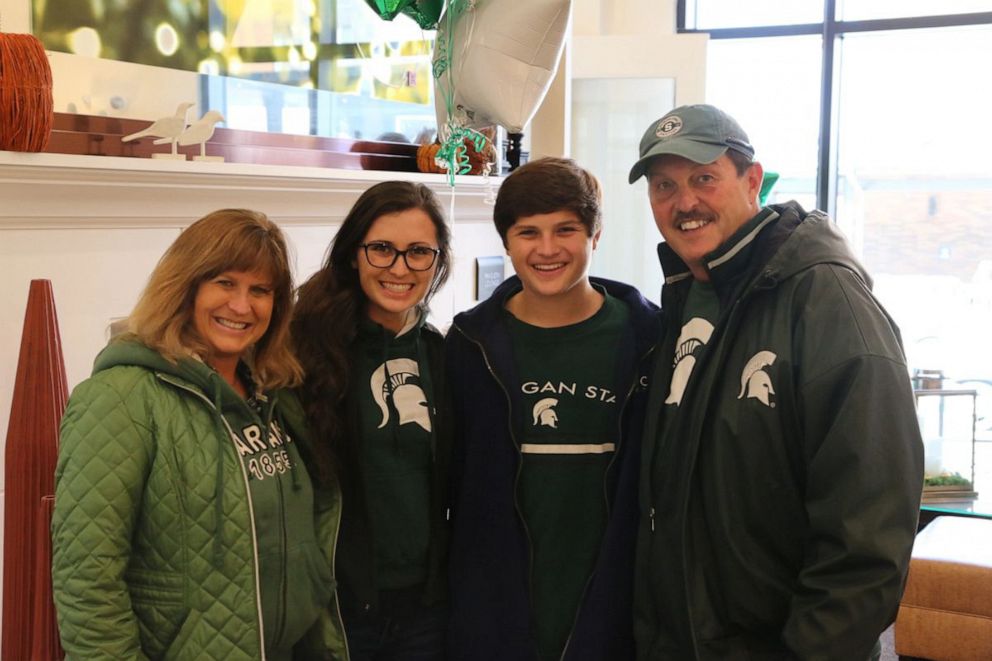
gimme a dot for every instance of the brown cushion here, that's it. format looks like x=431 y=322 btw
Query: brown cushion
x=946 y=610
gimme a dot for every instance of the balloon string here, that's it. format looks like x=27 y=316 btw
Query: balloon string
x=453 y=153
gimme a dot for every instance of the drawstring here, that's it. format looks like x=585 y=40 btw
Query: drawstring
x=284 y=432
x=390 y=389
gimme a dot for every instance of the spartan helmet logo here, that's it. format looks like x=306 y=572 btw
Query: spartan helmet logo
x=755 y=382
x=403 y=384
x=544 y=413
x=696 y=333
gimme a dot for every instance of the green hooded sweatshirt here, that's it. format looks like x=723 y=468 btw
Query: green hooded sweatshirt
x=392 y=388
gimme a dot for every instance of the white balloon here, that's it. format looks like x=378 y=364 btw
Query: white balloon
x=504 y=54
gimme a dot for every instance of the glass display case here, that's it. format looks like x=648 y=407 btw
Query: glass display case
x=947 y=424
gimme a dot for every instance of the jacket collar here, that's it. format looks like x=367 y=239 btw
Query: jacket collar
x=778 y=242
x=480 y=322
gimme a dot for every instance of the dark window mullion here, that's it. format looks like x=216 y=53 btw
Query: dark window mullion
x=762 y=31
x=915 y=22
x=839 y=27
x=826 y=165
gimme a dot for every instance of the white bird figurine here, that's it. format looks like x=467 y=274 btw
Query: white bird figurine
x=166 y=128
x=199 y=132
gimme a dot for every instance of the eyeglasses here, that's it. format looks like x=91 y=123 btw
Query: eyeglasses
x=383 y=255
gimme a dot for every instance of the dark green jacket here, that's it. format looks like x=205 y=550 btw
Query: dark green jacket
x=155 y=544
x=778 y=519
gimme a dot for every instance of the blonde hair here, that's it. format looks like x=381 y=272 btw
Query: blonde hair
x=225 y=240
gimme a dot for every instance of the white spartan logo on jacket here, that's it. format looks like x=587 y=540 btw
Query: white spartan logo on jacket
x=755 y=382
x=404 y=386
x=695 y=334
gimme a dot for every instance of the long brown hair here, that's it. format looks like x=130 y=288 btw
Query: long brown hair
x=332 y=301
x=225 y=240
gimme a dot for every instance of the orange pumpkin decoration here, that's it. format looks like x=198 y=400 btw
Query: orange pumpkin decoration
x=427 y=155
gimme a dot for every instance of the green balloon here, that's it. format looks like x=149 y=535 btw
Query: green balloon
x=767 y=182
x=425 y=12
x=388 y=9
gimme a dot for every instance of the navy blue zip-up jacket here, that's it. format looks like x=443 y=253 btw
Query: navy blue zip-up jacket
x=490 y=556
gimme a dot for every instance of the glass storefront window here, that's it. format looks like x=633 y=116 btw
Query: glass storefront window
x=859 y=10
x=770 y=86
x=915 y=193
x=714 y=14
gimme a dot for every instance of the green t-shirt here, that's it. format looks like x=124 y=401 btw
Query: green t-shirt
x=569 y=432
x=702 y=309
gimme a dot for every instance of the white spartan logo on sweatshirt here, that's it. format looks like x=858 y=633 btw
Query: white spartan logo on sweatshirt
x=544 y=413
x=695 y=334
x=404 y=386
x=755 y=382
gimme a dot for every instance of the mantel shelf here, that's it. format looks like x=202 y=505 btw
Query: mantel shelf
x=46 y=190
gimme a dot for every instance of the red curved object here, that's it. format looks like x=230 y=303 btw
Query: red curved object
x=39 y=398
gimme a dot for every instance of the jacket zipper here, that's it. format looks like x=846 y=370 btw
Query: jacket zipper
x=283 y=536
x=520 y=461
x=697 y=433
x=606 y=497
x=251 y=509
x=334 y=564
x=283 y=605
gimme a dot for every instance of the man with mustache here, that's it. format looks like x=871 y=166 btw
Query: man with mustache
x=782 y=463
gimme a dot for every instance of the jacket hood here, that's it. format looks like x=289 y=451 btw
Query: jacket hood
x=415 y=321
x=812 y=240
x=190 y=370
x=477 y=322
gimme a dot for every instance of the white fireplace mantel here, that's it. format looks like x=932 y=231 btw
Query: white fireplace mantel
x=62 y=191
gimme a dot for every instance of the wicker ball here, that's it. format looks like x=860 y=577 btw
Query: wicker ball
x=26 y=103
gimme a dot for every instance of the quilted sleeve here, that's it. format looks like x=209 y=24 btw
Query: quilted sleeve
x=104 y=458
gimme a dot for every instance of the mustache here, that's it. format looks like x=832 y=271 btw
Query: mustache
x=683 y=216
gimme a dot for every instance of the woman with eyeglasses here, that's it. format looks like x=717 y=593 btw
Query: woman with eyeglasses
x=375 y=397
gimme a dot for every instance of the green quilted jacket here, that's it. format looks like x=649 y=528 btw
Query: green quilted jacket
x=157 y=542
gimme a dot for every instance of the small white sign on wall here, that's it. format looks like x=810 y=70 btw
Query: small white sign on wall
x=488 y=275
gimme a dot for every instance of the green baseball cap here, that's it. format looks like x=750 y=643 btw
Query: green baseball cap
x=701 y=133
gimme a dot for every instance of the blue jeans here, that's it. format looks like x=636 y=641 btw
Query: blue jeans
x=398 y=632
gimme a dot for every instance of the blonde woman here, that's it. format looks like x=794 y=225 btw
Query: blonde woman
x=184 y=523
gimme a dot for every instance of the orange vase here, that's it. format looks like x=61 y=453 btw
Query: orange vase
x=39 y=399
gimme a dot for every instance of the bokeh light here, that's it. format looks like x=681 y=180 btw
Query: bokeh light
x=85 y=41
x=166 y=39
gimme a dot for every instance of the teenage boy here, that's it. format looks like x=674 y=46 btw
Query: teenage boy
x=549 y=377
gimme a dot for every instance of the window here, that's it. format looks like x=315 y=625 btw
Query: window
x=894 y=104
x=748 y=75
x=709 y=14
x=323 y=67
